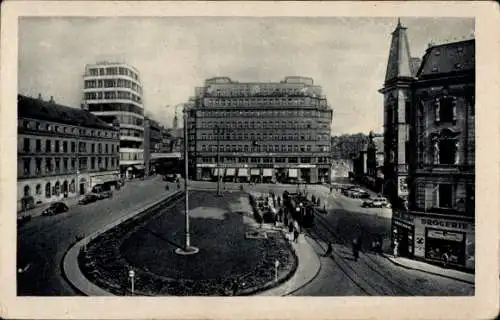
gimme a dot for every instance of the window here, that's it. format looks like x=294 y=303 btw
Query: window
x=38 y=146
x=445 y=195
x=47 y=190
x=26 y=145
x=65 y=164
x=73 y=163
x=26 y=166
x=38 y=189
x=57 y=188
x=92 y=163
x=73 y=147
x=57 y=146
x=38 y=165
x=58 y=164
x=446 y=109
x=48 y=146
x=106 y=149
x=445 y=151
x=99 y=148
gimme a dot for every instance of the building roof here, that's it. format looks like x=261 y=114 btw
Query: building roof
x=398 y=64
x=447 y=58
x=33 y=108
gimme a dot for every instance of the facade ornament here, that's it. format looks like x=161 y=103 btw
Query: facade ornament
x=457 y=152
x=436 y=152
x=437 y=109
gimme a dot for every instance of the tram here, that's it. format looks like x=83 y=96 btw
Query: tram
x=300 y=208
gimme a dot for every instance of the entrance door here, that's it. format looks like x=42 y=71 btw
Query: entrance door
x=82 y=188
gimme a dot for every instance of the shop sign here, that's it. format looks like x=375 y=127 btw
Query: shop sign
x=403 y=186
x=445 y=224
x=206 y=165
x=306 y=166
x=401 y=224
x=445 y=235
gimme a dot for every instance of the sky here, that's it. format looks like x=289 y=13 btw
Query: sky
x=346 y=56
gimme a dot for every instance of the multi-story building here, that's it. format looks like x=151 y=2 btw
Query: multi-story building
x=62 y=152
x=263 y=131
x=152 y=142
x=401 y=69
x=114 y=91
x=439 y=216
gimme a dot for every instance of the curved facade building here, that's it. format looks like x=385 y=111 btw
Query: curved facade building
x=114 y=91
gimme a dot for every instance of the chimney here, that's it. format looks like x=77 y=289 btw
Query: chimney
x=40 y=96
x=51 y=99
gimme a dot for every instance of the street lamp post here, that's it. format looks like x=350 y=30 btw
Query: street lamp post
x=218 y=132
x=131 y=275
x=188 y=249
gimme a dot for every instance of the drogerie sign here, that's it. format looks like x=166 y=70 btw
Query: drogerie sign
x=445 y=224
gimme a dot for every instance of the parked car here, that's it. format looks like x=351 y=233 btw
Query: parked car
x=376 y=202
x=88 y=198
x=170 y=178
x=105 y=194
x=55 y=208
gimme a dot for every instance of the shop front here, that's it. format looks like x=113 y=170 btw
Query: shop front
x=293 y=175
x=403 y=232
x=267 y=175
x=218 y=172
x=436 y=237
x=243 y=175
x=230 y=175
x=255 y=175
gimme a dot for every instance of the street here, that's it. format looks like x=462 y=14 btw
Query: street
x=43 y=241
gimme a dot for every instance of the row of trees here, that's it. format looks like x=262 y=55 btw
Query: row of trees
x=348 y=146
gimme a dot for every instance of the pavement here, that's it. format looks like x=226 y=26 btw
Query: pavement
x=308 y=268
x=431 y=269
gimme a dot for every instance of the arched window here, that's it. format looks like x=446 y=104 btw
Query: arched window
x=65 y=186
x=72 y=186
x=38 y=189
x=446 y=148
x=57 y=188
x=27 y=191
x=47 y=190
x=445 y=109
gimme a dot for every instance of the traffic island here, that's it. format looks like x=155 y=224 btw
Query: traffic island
x=235 y=257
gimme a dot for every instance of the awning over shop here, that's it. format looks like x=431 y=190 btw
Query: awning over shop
x=268 y=173
x=230 y=171
x=293 y=173
x=218 y=172
x=138 y=166
x=255 y=172
x=242 y=172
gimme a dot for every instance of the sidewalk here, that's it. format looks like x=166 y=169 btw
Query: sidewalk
x=71 y=269
x=431 y=269
x=307 y=269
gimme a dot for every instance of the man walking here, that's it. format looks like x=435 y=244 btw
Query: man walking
x=329 y=250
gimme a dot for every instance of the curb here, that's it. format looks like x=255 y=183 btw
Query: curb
x=424 y=271
x=70 y=267
x=287 y=283
x=310 y=280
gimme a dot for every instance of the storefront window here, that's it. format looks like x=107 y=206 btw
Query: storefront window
x=439 y=242
x=47 y=190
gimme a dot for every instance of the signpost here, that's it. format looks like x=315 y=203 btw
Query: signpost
x=131 y=275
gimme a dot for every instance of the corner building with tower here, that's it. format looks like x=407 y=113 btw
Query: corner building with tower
x=260 y=132
x=430 y=150
x=114 y=91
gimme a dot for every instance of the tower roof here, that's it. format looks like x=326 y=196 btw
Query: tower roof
x=399 y=64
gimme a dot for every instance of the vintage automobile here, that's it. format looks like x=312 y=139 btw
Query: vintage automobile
x=376 y=202
x=105 y=194
x=55 y=208
x=88 y=198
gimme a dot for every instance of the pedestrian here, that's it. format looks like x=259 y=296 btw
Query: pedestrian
x=445 y=258
x=395 y=248
x=329 y=250
x=295 y=235
x=331 y=189
x=355 y=251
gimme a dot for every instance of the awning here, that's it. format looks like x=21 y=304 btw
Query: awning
x=293 y=173
x=255 y=172
x=242 y=172
x=230 y=171
x=268 y=173
x=218 y=172
x=138 y=166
